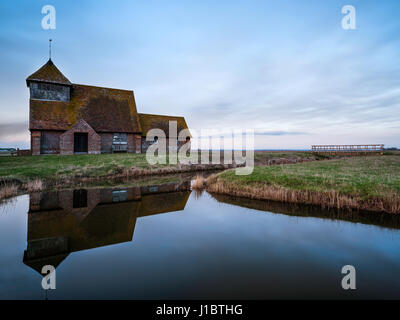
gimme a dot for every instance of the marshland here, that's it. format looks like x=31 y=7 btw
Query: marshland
x=368 y=183
x=163 y=241
x=25 y=174
x=259 y=233
x=365 y=183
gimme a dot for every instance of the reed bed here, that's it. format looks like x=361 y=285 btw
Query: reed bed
x=8 y=190
x=33 y=185
x=367 y=183
x=199 y=183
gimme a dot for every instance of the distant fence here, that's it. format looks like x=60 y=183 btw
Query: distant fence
x=15 y=153
x=23 y=153
x=360 y=149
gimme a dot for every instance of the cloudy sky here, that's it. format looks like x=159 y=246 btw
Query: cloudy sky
x=286 y=68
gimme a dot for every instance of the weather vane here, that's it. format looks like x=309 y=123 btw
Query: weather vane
x=50 y=49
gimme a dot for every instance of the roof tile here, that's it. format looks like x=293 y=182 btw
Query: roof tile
x=49 y=73
x=153 y=121
x=104 y=109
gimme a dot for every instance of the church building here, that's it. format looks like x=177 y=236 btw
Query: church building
x=67 y=118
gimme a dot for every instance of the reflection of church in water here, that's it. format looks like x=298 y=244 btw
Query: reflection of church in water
x=62 y=222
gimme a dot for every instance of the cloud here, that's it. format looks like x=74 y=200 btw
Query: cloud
x=295 y=81
x=14 y=135
x=10 y=129
x=278 y=133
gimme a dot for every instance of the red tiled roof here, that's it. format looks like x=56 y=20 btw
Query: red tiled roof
x=156 y=121
x=104 y=109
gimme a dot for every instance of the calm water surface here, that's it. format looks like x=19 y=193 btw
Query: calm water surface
x=165 y=241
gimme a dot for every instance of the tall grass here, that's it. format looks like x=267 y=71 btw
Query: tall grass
x=199 y=183
x=390 y=203
x=33 y=185
x=8 y=190
x=369 y=183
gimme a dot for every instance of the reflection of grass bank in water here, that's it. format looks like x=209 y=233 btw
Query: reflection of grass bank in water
x=312 y=211
x=11 y=187
x=133 y=182
x=14 y=188
x=365 y=183
x=8 y=190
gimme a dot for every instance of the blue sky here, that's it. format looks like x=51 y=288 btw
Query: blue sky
x=284 y=68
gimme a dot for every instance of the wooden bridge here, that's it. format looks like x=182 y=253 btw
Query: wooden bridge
x=349 y=150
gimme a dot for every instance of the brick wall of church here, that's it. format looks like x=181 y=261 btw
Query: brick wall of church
x=106 y=142
x=97 y=143
x=35 y=142
x=67 y=139
x=134 y=143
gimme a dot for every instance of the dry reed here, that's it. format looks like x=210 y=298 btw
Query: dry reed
x=199 y=183
x=261 y=191
x=33 y=185
x=8 y=191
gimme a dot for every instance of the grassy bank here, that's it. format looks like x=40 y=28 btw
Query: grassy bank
x=21 y=174
x=367 y=183
x=55 y=166
x=104 y=165
x=26 y=174
x=282 y=157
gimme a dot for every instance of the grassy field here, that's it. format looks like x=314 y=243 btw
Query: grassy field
x=360 y=182
x=31 y=174
x=55 y=166
x=370 y=183
x=269 y=157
